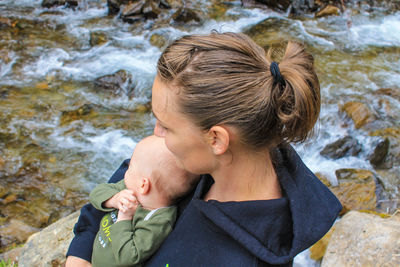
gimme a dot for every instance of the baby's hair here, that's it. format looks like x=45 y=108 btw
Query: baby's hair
x=226 y=78
x=172 y=182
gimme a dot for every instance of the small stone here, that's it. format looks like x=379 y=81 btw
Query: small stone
x=42 y=85
x=358 y=112
x=329 y=10
x=380 y=152
x=66 y=3
x=346 y=146
x=158 y=40
x=98 y=38
x=186 y=15
x=10 y=198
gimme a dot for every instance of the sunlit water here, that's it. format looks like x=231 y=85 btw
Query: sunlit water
x=351 y=62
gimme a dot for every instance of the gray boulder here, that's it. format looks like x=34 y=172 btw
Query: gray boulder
x=48 y=247
x=362 y=239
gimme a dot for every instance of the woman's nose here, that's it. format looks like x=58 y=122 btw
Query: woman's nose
x=159 y=130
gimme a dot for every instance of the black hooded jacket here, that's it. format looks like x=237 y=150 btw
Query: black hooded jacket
x=250 y=233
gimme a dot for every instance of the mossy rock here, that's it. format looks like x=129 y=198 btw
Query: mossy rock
x=356 y=189
x=359 y=112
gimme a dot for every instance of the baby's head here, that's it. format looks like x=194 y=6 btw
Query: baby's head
x=154 y=176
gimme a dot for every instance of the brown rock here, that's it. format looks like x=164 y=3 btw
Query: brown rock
x=389 y=92
x=5 y=22
x=10 y=198
x=52 y=3
x=329 y=10
x=118 y=83
x=71 y=115
x=317 y=251
x=186 y=15
x=362 y=239
x=323 y=179
x=358 y=112
x=356 y=189
x=98 y=38
x=158 y=40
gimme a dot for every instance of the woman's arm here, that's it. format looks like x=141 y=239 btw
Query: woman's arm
x=86 y=228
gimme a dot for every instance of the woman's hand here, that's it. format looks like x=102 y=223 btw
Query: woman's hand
x=73 y=261
x=123 y=201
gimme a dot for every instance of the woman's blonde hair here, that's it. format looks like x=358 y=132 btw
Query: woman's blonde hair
x=225 y=78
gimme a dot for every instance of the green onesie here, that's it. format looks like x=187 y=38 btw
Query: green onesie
x=128 y=243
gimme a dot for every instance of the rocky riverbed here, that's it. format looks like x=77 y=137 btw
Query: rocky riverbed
x=75 y=79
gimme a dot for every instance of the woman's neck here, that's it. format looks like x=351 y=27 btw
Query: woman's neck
x=249 y=176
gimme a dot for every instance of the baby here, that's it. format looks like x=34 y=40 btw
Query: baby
x=140 y=207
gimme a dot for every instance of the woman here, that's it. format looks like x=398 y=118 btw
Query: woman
x=226 y=109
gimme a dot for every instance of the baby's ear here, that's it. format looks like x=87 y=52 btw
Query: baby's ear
x=145 y=186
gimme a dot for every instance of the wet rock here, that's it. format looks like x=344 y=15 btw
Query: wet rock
x=72 y=115
x=174 y=4
x=359 y=112
x=151 y=9
x=346 y=146
x=362 y=239
x=114 y=6
x=119 y=83
x=2 y=164
x=356 y=189
x=185 y=15
x=329 y=10
x=16 y=231
x=5 y=22
x=380 y=151
x=66 y=3
x=98 y=38
x=394 y=93
x=317 y=251
x=276 y=4
x=9 y=198
x=323 y=179
x=56 y=236
x=42 y=85
x=390 y=180
x=143 y=108
x=138 y=10
x=158 y=40
x=392 y=158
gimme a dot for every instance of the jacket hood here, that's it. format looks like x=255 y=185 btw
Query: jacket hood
x=276 y=230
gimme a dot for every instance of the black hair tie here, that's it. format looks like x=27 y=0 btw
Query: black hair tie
x=274 y=68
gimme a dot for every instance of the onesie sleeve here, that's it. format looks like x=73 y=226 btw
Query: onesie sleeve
x=86 y=228
x=103 y=192
x=133 y=242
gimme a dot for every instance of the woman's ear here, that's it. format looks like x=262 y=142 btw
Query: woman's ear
x=218 y=137
x=145 y=185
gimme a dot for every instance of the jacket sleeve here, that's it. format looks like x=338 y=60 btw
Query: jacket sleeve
x=102 y=192
x=134 y=244
x=86 y=228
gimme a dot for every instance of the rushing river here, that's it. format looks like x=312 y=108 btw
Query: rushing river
x=60 y=135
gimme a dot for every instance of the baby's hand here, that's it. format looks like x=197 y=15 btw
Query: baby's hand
x=122 y=201
x=127 y=214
